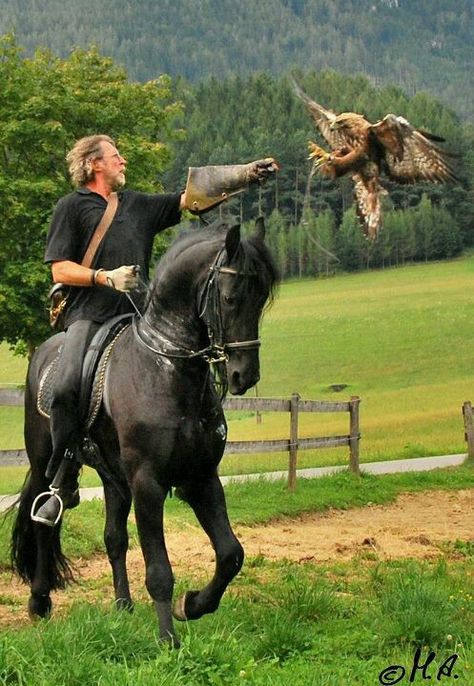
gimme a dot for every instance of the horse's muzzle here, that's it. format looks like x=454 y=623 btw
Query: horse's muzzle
x=241 y=377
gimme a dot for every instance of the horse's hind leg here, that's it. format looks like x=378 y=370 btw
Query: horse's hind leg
x=208 y=502
x=117 y=508
x=35 y=549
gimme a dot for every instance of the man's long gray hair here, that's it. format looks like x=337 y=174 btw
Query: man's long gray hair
x=80 y=158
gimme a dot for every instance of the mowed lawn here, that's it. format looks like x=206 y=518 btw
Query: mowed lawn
x=398 y=338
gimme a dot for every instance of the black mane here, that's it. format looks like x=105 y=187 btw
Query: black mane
x=253 y=256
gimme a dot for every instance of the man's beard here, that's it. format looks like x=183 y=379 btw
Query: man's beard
x=119 y=181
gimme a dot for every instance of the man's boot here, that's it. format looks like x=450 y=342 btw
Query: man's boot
x=63 y=492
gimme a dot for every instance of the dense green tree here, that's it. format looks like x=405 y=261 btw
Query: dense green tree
x=242 y=118
x=47 y=104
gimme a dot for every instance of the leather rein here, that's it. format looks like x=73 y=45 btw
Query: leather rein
x=210 y=313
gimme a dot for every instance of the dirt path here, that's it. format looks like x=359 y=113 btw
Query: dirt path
x=416 y=526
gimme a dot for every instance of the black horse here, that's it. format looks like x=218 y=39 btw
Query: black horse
x=161 y=423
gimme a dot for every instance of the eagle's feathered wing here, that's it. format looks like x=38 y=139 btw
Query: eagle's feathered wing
x=323 y=119
x=364 y=150
x=411 y=155
x=348 y=132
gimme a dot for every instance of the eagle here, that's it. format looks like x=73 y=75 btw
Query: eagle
x=391 y=146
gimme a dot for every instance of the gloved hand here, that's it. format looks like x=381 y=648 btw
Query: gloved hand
x=207 y=187
x=260 y=170
x=123 y=278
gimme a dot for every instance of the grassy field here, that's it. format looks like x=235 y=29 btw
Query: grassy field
x=280 y=622
x=399 y=338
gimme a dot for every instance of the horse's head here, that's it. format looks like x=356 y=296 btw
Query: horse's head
x=206 y=301
x=242 y=280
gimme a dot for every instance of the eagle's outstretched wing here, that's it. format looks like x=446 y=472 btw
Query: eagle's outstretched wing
x=323 y=119
x=412 y=155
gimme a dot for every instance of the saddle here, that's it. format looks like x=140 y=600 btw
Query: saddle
x=93 y=372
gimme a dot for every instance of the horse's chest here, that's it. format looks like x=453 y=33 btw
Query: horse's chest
x=202 y=436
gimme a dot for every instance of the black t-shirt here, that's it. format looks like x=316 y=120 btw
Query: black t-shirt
x=128 y=241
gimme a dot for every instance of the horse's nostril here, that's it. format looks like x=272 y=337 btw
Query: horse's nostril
x=235 y=378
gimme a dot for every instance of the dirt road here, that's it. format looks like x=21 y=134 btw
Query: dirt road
x=416 y=526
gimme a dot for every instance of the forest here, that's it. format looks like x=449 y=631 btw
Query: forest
x=416 y=45
x=313 y=225
x=165 y=125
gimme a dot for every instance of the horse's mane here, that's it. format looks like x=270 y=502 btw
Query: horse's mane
x=253 y=255
x=212 y=233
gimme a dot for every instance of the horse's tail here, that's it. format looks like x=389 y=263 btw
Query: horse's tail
x=25 y=541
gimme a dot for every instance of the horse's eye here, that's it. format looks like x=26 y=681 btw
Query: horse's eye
x=229 y=299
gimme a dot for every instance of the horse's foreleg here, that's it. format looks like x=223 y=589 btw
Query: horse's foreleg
x=149 y=497
x=117 y=509
x=208 y=502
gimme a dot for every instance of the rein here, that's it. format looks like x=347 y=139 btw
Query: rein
x=210 y=313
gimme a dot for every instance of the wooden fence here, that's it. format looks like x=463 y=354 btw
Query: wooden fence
x=291 y=445
x=294 y=443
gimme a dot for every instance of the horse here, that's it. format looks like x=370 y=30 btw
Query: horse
x=161 y=424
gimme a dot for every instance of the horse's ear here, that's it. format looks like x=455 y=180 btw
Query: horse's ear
x=260 y=229
x=232 y=241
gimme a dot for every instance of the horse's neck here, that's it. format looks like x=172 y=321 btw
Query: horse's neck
x=180 y=328
x=172 y=309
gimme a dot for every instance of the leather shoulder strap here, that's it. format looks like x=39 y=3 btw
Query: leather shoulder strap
x=100 y=230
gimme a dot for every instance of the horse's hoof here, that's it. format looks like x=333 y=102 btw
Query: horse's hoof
x=170 y=640
x=124 y=604
x=39 y=607
x=179 y=611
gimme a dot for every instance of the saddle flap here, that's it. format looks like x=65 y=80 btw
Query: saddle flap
x=93 y=372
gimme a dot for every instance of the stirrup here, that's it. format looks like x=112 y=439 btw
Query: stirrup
x=52 y=493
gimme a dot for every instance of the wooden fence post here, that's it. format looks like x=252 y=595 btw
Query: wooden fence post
x=468 y=430
x=354 y=434
x=293 y=441
x=258 y=414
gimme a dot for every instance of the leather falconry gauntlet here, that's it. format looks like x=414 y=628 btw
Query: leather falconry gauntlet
x=207 y=187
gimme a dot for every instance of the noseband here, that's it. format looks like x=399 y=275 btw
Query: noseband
x=210 y=312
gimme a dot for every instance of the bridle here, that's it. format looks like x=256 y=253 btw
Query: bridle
x=210 y=312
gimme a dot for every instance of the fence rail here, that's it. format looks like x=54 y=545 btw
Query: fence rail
x=294 y=406
x=294 y=443
x=11 y=396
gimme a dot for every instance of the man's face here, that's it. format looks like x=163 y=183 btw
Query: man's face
x=111 y=165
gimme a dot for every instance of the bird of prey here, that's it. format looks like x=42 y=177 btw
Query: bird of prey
x=364 y=150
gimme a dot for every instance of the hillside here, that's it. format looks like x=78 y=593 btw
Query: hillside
x=423 y=45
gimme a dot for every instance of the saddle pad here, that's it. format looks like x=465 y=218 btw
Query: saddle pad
x=46 y=386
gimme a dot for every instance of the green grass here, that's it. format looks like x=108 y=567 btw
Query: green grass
x=399 y=338
x=279 y=623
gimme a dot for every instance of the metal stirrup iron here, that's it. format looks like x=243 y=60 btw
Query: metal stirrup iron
x=52 y=493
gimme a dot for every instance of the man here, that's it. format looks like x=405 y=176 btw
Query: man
x=101 y=291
